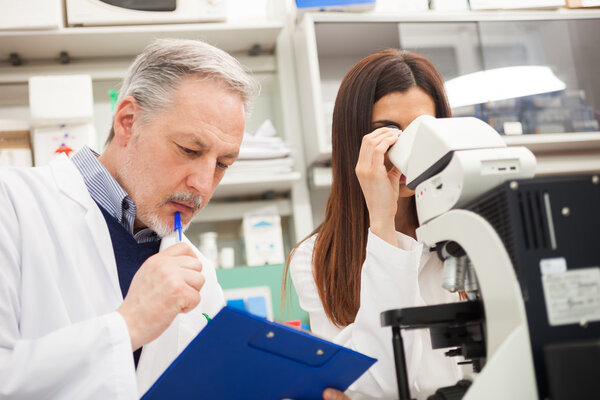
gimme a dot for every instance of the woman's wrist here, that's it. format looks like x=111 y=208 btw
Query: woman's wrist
x=385 y=231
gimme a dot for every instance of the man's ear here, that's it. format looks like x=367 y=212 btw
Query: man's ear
x=125 y=116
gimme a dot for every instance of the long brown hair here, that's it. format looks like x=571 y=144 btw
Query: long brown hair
x=340 y=246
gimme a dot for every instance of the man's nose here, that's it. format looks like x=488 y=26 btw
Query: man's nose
x=201 y=178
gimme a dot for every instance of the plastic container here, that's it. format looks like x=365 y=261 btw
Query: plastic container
x=208 y=247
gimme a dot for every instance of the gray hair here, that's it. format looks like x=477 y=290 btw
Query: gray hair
x=159 y=69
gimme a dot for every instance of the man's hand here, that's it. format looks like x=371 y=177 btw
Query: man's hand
x=167 y=284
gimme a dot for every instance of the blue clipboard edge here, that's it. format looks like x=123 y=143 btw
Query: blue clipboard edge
x=226 y=312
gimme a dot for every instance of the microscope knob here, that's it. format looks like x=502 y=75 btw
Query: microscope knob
x=455 y=392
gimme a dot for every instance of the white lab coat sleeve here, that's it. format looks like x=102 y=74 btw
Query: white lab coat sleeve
x=389 y=280
x=90 y=359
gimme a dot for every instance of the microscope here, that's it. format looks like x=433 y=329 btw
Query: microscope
x=522 y=250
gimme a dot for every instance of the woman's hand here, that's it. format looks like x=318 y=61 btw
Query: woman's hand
x=332 y=394
x=379 y=186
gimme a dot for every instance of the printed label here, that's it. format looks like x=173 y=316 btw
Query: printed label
x=553 y=265
x=572 y=297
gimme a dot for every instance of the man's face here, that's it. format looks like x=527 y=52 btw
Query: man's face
x=175 y=162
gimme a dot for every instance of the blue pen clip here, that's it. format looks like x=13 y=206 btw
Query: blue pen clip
x=177 y=224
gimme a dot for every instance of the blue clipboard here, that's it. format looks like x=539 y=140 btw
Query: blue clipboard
x=241 y=356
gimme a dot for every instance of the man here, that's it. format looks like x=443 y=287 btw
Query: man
x=82 y=282
x=90 y=270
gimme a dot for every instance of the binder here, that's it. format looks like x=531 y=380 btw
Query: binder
x=242 y=356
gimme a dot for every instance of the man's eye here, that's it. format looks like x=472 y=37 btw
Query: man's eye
x=188 y=151
x=222 y=165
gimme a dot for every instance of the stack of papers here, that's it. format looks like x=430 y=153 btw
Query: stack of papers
x=262 y=153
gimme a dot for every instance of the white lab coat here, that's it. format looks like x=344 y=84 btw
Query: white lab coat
x=391 y=278
x=60 y=336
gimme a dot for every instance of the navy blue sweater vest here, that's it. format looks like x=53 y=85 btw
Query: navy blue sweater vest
x=129 y=255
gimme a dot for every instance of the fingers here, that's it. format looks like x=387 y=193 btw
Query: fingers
x=374 y=146
x=182 y=290
x=179 y=249
x=332 y=394
x=375 y=139
x=189 y=302
x=188 y=262
x=193 y=279
x=378 y=155
x=167 y=283
x=394 y=175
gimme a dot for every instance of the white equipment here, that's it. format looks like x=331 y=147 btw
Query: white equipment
x=62 y=115
x=450 y=161
x=30 y=14
x=507 y=245
x=128 y=12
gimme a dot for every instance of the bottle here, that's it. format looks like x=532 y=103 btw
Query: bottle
x=208 y=247
x=227 y=257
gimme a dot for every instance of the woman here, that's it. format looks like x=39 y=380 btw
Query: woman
x=364 y=259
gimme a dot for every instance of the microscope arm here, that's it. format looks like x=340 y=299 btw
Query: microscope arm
x=507 y=336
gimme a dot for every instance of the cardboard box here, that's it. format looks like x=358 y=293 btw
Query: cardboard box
x=15 y=144
x=582 y=3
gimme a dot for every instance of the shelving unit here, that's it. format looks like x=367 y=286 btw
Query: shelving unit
x=232 y=186
x=106 y=52
x=108 y=68
x=581 y=149
x=223 y=211
x=328 y=44
x=458 y=43
x=126 y=41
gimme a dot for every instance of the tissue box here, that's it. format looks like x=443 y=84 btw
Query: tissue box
x=582 y=3
x=61 y=99
x=263 y=240
x=15 y=144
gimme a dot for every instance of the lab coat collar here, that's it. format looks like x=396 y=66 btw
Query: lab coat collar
x=70 y=182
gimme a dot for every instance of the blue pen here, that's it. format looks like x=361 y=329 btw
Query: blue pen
x=177 y=224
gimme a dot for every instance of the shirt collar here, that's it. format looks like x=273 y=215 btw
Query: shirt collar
x=107 y=192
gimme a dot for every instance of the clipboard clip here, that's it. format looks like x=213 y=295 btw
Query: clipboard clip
x=285 y=342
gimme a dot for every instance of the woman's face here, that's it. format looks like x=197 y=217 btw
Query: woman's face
x=399 y=109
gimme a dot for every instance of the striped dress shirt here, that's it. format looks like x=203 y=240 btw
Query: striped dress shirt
x=109 y=195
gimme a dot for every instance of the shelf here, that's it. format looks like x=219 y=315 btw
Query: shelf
x=216 y=211
x=454 y=16
x=556 y=153
x=127 y=41
x=108 y=69
x=329 y=43
x=538 y=143
x=242 y=186
x=572 y=163
x=320 y=177
x=556 y=142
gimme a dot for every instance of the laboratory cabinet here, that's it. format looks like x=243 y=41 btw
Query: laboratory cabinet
x=529 y=74
x=105 y=52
